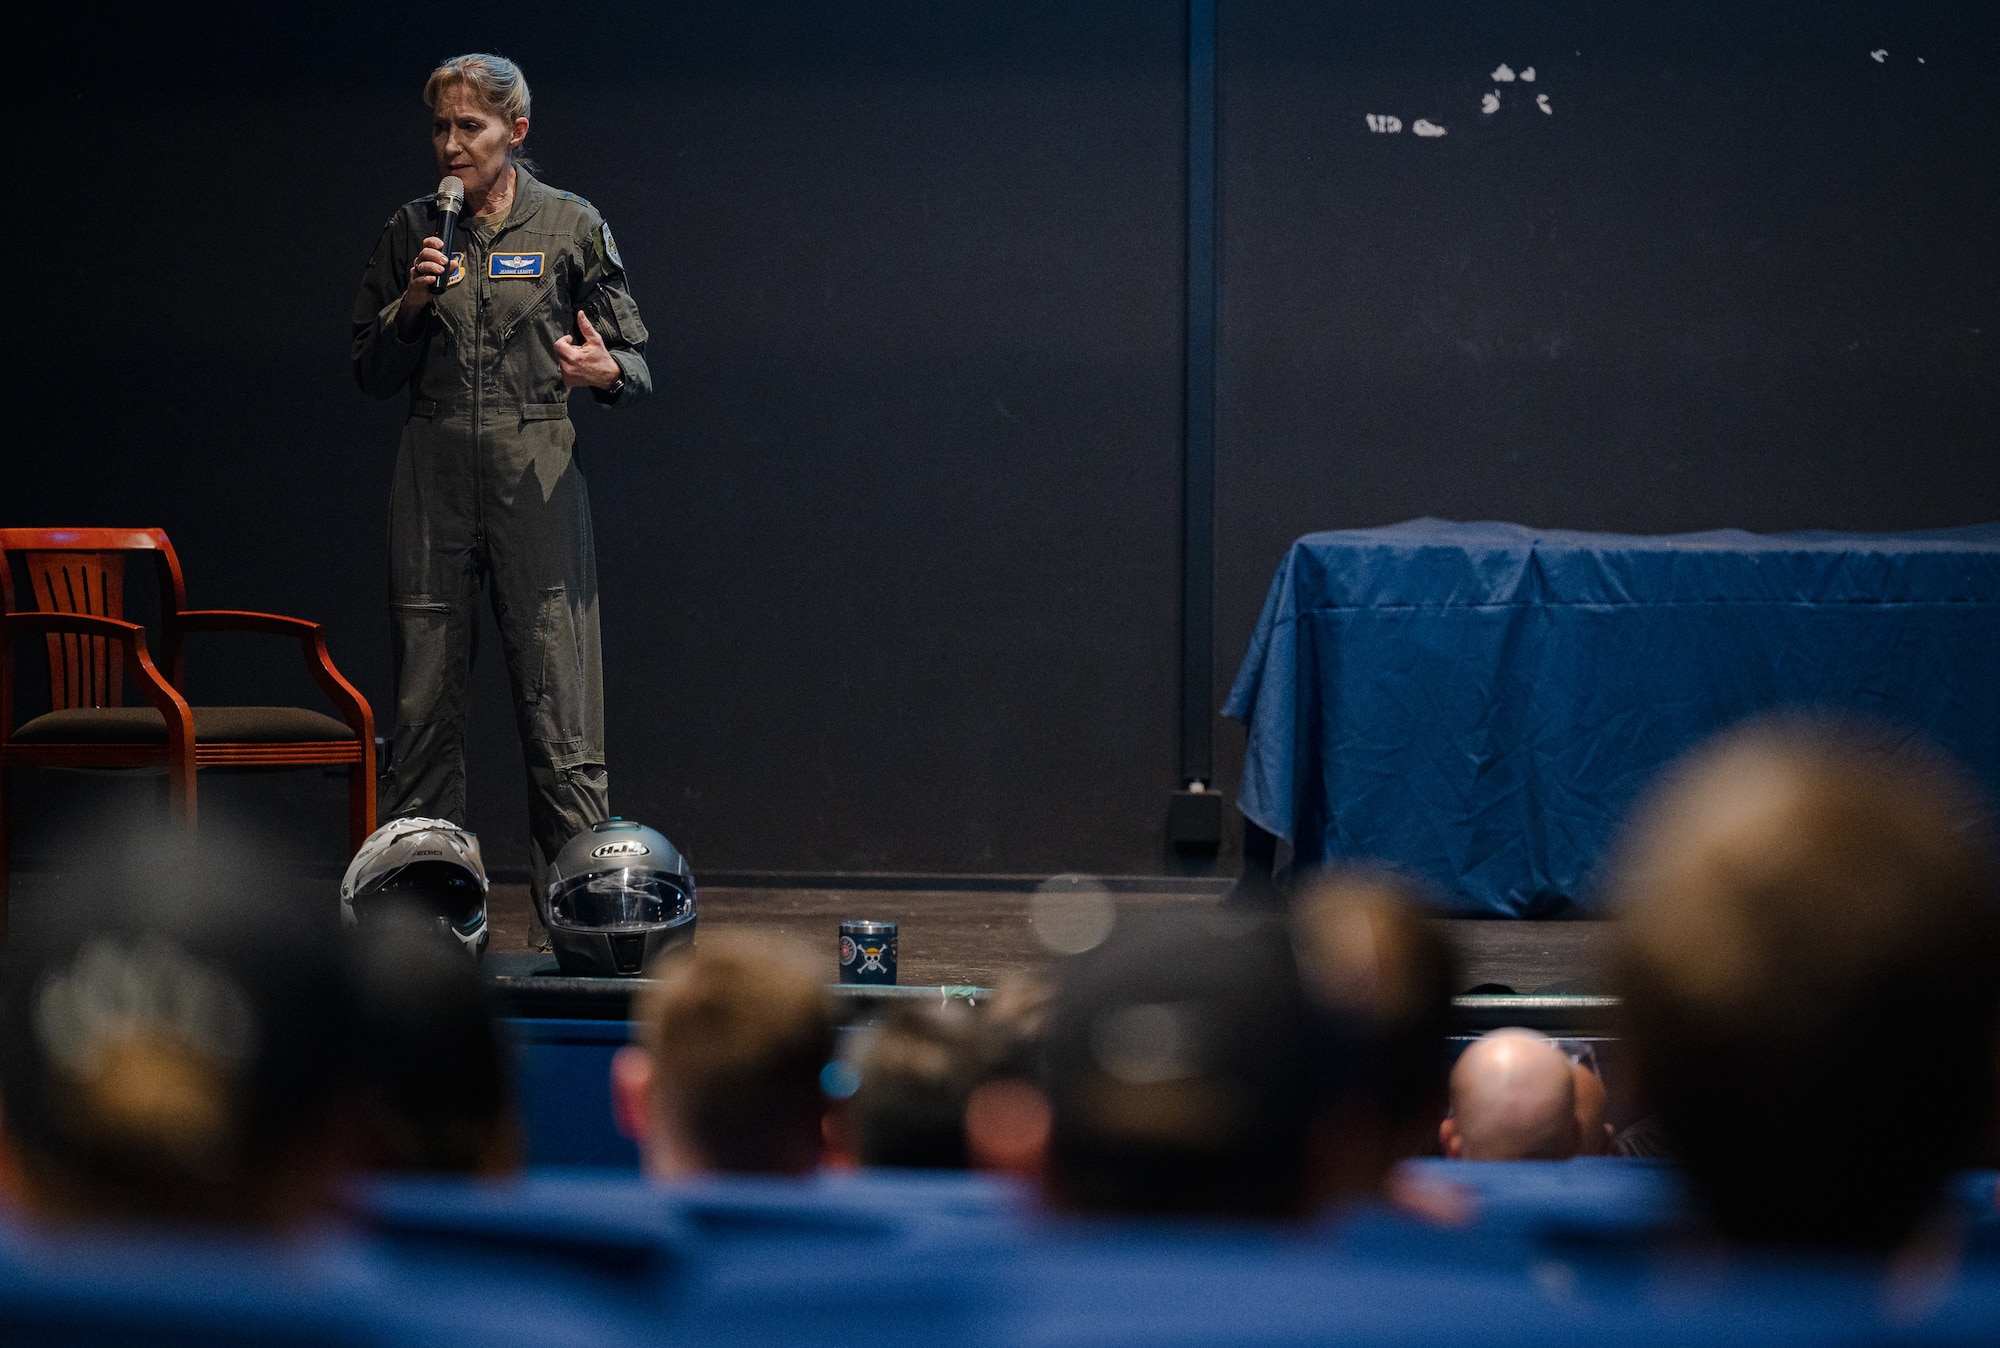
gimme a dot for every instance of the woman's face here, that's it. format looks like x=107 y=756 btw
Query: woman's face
x=472 y=140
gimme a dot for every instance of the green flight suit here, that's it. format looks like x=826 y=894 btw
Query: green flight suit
x=487 y=491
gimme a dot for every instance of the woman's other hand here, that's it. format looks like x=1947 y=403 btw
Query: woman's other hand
x=586 y=364
x=431 y=263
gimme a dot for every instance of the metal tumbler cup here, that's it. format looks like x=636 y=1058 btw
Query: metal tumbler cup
x=868 y=952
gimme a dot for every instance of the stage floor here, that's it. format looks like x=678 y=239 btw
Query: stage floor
x=978 y=937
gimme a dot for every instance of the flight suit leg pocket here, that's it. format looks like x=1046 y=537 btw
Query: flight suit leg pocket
x=431 y=644
x=568 y=791
x=582 y=785
x=559 y=696
x=429 y=647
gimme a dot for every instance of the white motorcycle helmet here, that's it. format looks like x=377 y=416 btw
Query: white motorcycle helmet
x=430 y=867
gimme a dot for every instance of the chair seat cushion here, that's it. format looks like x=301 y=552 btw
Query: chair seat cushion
x=144 y=725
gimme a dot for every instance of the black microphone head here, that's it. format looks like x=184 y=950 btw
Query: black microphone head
x=450 y=195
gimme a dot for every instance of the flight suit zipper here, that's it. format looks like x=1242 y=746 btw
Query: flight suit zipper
x=479 y=387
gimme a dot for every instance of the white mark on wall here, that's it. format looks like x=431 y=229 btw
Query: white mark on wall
x=1489 y=102
x=1880 y=54
x=1425 y=127
x=1382 y=123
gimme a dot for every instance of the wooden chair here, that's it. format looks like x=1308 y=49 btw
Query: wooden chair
x=78 y=581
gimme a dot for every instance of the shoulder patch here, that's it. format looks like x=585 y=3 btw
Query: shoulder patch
x=609 y=245
x=571 y=196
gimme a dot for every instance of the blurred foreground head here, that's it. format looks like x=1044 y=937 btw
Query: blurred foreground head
x=437 y=1089
x=942 y=1087
x=916 y=1074
x=1381 y=979
x=1593 y=1106
x=726 y=1075
x=1178 y=1072
x=1513 y=1098
x=175 y=1027
x=1810 y=961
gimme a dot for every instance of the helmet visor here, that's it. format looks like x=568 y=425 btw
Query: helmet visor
x=610 y=900
x=441 y=889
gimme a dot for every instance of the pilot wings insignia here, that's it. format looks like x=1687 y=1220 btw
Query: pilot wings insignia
x=514 y=264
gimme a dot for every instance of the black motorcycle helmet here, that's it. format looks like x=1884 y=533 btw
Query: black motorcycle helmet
x=618 y=894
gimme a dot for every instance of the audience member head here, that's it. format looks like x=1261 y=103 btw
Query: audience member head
x=1018 y=1015
x=1177 y=1071
x=437 y=1093
x=1006 y=1113
x=1382 y=978
x=1810 y=963
x=726 y=1075
x=1593 y=1127
x=916 y=1073
x=175 y=1033
x=944 y=1087
x=1513 y=1098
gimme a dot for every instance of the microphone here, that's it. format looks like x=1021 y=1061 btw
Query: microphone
x=450 y=201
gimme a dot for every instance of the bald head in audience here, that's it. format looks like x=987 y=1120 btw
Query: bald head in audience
x=1809 y=956
x=1512 y=1099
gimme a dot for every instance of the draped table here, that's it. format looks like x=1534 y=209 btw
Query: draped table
x=1480 y=704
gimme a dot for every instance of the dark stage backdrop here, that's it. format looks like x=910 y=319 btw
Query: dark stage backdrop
x=1740 y=273
x=890 y=567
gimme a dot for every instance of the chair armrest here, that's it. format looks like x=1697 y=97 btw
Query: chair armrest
x=82 y=624
x=353 y=707
x=239 y=620
x=170 y=704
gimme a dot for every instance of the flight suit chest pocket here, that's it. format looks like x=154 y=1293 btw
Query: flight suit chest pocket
x=518 y=300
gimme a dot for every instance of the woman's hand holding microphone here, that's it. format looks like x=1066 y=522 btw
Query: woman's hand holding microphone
x=431 y=263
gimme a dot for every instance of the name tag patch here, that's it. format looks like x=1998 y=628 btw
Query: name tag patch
x=514 y=264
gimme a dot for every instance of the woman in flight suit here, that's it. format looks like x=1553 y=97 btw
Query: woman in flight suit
x=487 y=489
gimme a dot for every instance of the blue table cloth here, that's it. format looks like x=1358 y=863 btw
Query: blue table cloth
x=1480 y=704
